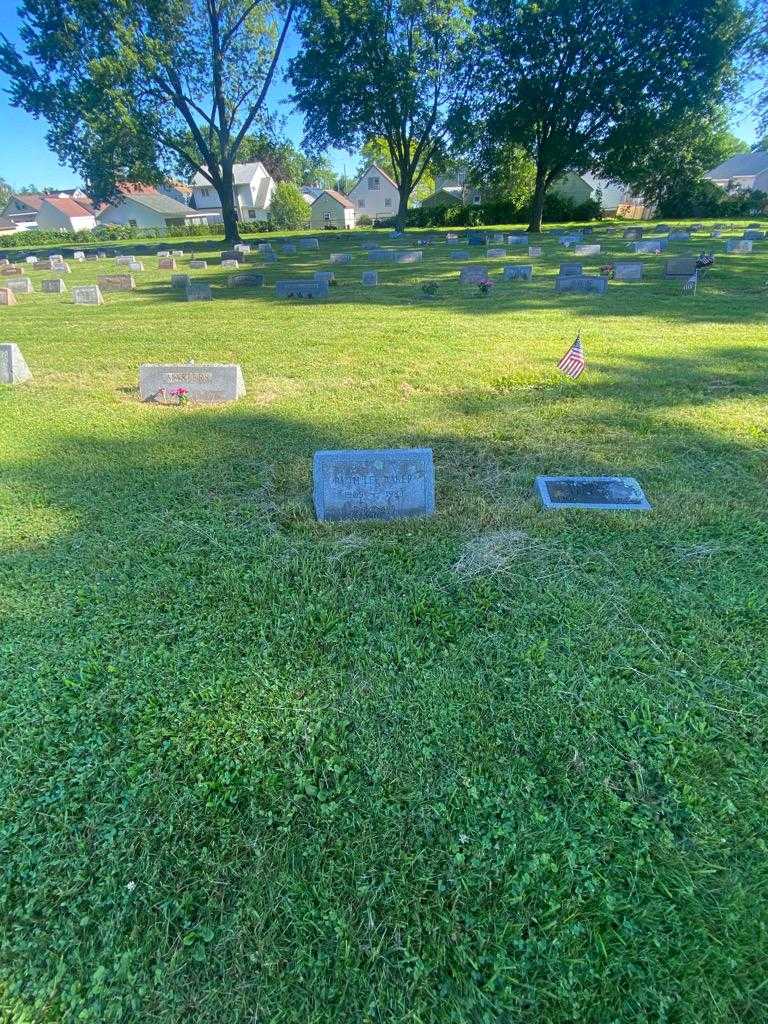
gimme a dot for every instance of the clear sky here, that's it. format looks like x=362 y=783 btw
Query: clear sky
x=26 y=159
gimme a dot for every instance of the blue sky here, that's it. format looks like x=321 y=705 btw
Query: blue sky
x=26 y=159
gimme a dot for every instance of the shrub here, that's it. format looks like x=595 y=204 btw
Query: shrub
x=556 y=208
x=705 y=199
x=289 y=210
x=364 y=221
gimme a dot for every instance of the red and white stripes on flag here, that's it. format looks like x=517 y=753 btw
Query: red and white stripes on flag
x=573 y=363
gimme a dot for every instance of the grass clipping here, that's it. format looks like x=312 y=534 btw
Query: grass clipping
x=491 y=554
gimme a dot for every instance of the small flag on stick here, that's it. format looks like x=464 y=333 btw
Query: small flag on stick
x=690 y=284
x=573 y=363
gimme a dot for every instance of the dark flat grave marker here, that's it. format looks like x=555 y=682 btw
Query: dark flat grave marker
x=594 y=492
x=680 y=268
x=387 y=484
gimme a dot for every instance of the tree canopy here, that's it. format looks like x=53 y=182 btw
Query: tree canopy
x=130 y=88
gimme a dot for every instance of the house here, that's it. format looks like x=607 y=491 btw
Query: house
x=67 y=210
x=253 y=190
x=7 y=227
x=615 y=199
x=745 y=170
x=142 y=206
x=450 y=195
x=375 y=194
x=331 y=209
x=573 y=187
x=22 y=209
x=177 y=190
x=310 y=193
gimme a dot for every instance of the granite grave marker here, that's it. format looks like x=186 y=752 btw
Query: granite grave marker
x=373 y=484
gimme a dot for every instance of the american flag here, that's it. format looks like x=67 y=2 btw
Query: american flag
x=573 y=363
x=690 y=284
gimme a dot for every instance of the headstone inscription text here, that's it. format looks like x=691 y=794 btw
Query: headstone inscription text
x=598 y=492
x=373 y=484
x=203 y=382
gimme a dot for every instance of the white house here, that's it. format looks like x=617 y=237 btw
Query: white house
x=57 y=214
x=253 y=191
x=145 y=207
x=375 y=195
x=22 y=209
x=745 y=170
x=331 y=209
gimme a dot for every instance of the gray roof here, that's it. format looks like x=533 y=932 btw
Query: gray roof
x=162 y=204
x=743 y=165
x=243 y=173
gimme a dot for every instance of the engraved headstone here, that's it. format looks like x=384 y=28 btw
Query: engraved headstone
x=586 y=250
x=116 y=282
x=180 y=280
x=752 y=235
x=54 y=286
x=31 y=259
x=473 y=275
x=408 y=256
x=581 y=284
x=123 y=261
x=738 y=245
x=87 y=295
x=7 y=297
x=381 y=255
x=166 y=263
x=21 y=285
x=198 y=264
x=627 y=270
x=520 y=273
x=232 y=254
x=633 y=234
x=3 y=261
x=459 y=254
x=301 y=290
x=651 y=245
x=495 y=253
x=535 y=250
x=679 y=236
x=264 y=247
x=243 y=247
x=370 y=278
x=176 y=253
x=60 y=267
x=340 y=257
x=662 y=228
x=10 y=270
x=230 y=264
x=249 y=279
x=685 y=267
x=451 y=237
x=13 y=367
x=198 y=291
x=325 y=276
x=309 y=243
x=164 y=254
x=476 y=238
x=136 y=266
x=373 y=484
x=521 y=239
x=593 y=492
x=207 y=383
x=570 y=270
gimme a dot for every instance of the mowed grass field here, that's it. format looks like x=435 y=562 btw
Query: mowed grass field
x=499 y=766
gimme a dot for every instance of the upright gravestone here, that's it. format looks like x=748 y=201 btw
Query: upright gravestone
x=116 y=283
x=232 y=254
x=166 y=263
x=373 y=484
x=325 y=276
x=59 y=267
x=408 y=256
x=242 y=247
x=289 y=249
x=180 y=280
x=535 y=250
x=662 y=227
x=13 y=367
x=519 y=273
x=570 y=270
x=198 y=264
x=650 y=245
x=123 y=261
x=521 y=239
x=301 y=290
x=633 y=234
x=753 y=236
x=177 y=253
x=586 y=250
x=340 y=257
x=136 y=266
x=679 y=236
x=249 y=279
x=584 y=283
x=164 y=254
x=53 y=286
x=264 y=247
x=87 y=295
x=476 y=238
x=201 y=382
x=685 y=267
x=473 y=275
x=198 y=291
x=230 y=264
x=20 y=285
x=309 y=243
x=10 y=269
x=269 y=257
x=459 y=254
x=628 y=270
x=370 y=278
x=495 y=253
x=738 y=245
x=696 y=227
x=381 y=255
x=7 y=297
x=31 y=260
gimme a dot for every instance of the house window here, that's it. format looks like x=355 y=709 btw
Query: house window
x=387 y=202
x=374 y=184
x=205 y=192
x=327 y=218
x=477 y=198
x=361 y=203
x=252 y=215
x=132 y=224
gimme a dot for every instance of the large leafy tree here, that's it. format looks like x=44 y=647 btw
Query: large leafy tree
x=131 y=87
x=394 y=69
x=376 y=151
x=577 y=81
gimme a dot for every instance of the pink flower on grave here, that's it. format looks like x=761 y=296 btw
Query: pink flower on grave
x=485 y=286
x=180 y=394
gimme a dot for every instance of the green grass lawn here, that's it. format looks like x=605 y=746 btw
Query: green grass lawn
x=499 y=766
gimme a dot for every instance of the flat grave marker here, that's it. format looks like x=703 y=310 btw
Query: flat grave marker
x=621 y=493
x=206 y=383
x=753 y=235
x=738 y=245
x=373 y=484
x=370 y=278
x=340 y=257
x=535 y=250
x=13 y=366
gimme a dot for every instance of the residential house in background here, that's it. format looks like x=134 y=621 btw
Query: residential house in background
x=310 y=192
x=253 y=191
x=22 y=209
x=67 y=210
x=745 y=170
x=177 y=190
x=331 y=210
x=375 y=194
x=7 y=227
x=143 y=206
x=450 y=195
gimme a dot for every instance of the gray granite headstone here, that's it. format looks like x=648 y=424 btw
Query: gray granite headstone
x=136 y=266
x=586 y=250
x=370 y=278
x=521 y=239
x=459 y=254
x=301 y=290
x=633 y=234
x=381 y=255
x=87 y=295
x=164 y=254
x=340 y=257
x=685 y=267
x=473 y=275
x=30 y=259
x=408 y=256
x=230 y=264
x=309 y=243
x=10 y=269
x=535 y=250
x=679 y=236
x=53 y=286
x=495 y=253
x=476 y=238
x=123 y=261
x=738 y=245
x=519 y=273
x=716 y=233
x=198 y=264
x=116 y=283
x=249 y=279
x=627 y=270
x=373 y=484
x=205 y=382
x=242 y=247
x=662 y=227
x=289 y=249
x=180 y=280
x=167 y=263
x=651 y=245
x=177 y=253
x=752 y=235
x=581 y=284
x=231 y=254
x=264 y=247
x=570 y=270
x=198 y=291
x=21 y=285
x=13 y=367
x=592 y=492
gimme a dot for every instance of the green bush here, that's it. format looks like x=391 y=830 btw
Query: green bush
x=289 y=210
x=364 y=221
x=556 y=208
x=705 y=199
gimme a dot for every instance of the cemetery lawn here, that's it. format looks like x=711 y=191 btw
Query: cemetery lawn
x=499 y=765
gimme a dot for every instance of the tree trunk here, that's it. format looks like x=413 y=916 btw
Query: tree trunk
x=539 y=194
x=229 y=213
x=404 y=188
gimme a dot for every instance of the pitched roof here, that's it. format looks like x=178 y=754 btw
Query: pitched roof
x=243 y=174
x=164 y=205
x=69 y=207
x=33 y=199
x=373 y=166
x=340 y=199
x=743 y=165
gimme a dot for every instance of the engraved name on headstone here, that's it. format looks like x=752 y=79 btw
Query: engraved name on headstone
x=651 y=245
x=87 y=295
x=581 y=284
x=595 y=492
x=535 y=250
x=381 y=255
x=521 y=273
x=116 y=282
x=633 y=234
x=13 y=367
x=373 y=484
x=204 y=382
x=230 y=264
x=166 y=263
x=627 y=270
x=301 y=290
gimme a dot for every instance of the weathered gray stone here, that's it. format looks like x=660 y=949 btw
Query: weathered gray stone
x=373 y=484
x=13 y=367
x=586 y=250
x=754 y=236
x=684 y=267
x=651 y=245
x=249 y=279
x=679 y=236
x=198 y=264
x=116 y=282
x=473 y=275
x=20 y=285
x=535 y=250
x=230 y=264
x=495 y=253
x=180 y=280
x=301 y=290
x=570 y=270
x=309 y=243
x=87 y=295
x=233 y=254
x=123 y=261
x=198 y=291
x=517 y=239
x=136 y=266
x=7 y=297
x=518 y=273
x=382 y=255
x=59 y=267
x=289 y=249
x=738 y=245
x=581 y=284
x=633 y=234
x=476 y=238
x=164 y=254
x=459 y=254
x=243 y=247
x=53 y=286
x=325 y=276
x=340 y=257
x=408 y=256
x=628 y=270
x=10 y=270
x=370 y=278
x=31 y=260
x=177 y=253
x=166 y=263
x=207 y=383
